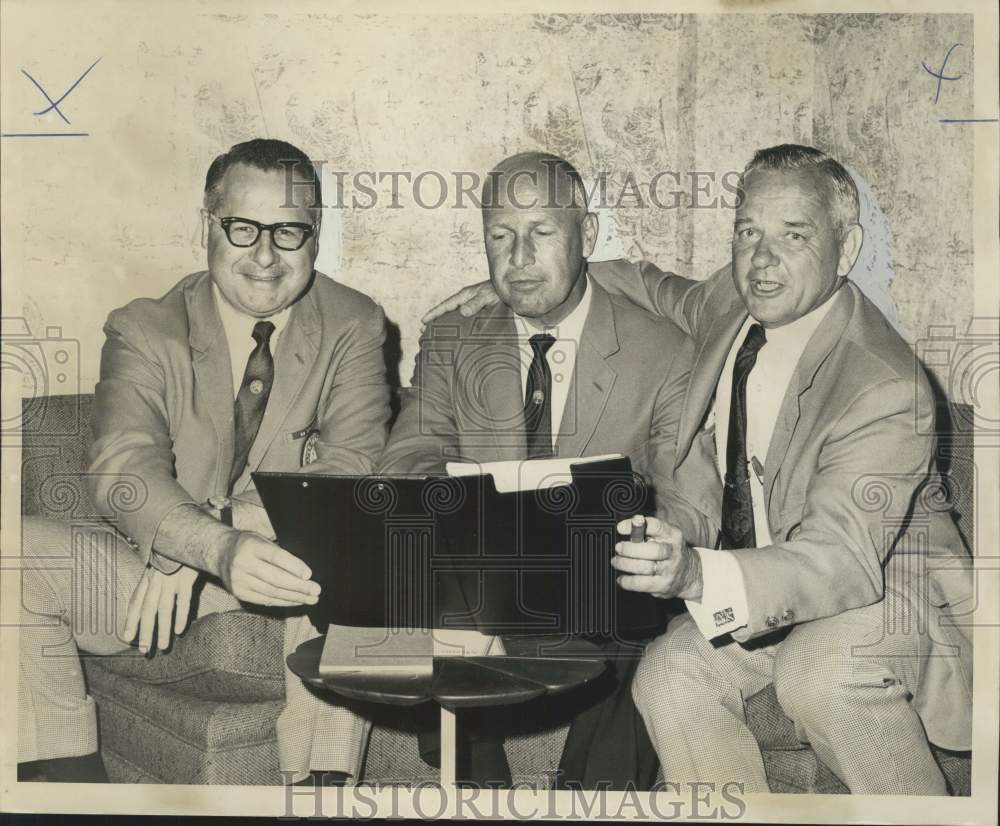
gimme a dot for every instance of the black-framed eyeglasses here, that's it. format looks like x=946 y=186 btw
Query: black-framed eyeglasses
x=244 y=232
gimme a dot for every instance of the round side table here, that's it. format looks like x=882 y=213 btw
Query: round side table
x=532 y=666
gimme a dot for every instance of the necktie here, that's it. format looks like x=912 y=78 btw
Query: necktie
x=251 y=400
x=737 y=507
x=537 y=399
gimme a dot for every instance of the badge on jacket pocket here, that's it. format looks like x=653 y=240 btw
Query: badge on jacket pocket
x=310 y=435
x=309 y=448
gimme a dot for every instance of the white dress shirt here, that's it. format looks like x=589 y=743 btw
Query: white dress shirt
x=723 y=605
x=238 y=329
x=561 y=356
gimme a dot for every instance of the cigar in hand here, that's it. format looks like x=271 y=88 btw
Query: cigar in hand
x=638 y=528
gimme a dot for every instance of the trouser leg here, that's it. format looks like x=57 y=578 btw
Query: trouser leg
x=316 y=732
x=690 y=694
x=848 y=683
x=76 y=583
x=607 y=746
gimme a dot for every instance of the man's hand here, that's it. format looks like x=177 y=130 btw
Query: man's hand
x=468 y=301
x=664 y=565
x=156 y=600
x=256 y=570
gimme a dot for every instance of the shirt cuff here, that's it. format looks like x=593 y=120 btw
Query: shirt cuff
x=163 y=564
x=723 y=605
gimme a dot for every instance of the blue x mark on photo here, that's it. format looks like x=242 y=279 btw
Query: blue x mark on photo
x=54 y=104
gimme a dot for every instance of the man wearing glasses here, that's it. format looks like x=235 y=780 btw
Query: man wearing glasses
x=232 y=371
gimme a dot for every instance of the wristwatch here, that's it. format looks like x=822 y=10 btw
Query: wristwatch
x=221 y=507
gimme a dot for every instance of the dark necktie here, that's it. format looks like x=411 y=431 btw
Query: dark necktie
x=737 y=507
x=538 y=401
x=251 y=401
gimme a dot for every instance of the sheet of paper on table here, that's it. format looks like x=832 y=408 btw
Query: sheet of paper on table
x=526 y=474
x=349 y=649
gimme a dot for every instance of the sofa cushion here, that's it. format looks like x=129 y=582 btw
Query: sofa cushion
x=235 y=655
x=174 y=734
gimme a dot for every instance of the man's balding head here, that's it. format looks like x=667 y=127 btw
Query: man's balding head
x=538 y=235
x=555 y=179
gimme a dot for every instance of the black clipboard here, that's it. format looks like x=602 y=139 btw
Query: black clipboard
x=454 y=553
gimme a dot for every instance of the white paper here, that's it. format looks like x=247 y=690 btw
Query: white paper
x=526 y=474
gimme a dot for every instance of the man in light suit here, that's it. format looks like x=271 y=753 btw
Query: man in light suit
x=805 y=434
x=232 y=370
x=559 y=367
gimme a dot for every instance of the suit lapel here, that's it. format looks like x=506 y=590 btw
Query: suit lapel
x=498 y=363
x=827 y=334
x=708 y=364
x=298 y=347
x=593 y=378
x=213 y=376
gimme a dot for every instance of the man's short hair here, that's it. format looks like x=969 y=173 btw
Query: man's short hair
x=537 y=162
x=791 y=156
x=268 y=155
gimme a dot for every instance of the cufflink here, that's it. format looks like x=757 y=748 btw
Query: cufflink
x=788 y=617
x=771 y=622
x=722 y=617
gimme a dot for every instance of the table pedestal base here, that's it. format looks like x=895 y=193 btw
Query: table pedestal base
x=447 y=748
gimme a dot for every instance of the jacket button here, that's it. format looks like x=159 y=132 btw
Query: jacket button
x=771 y=622
x=788 y=617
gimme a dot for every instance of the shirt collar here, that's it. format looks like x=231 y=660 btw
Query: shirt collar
x=239 y=326
x=570 y=328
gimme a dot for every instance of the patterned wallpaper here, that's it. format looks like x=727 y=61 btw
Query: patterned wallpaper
x=624 y=97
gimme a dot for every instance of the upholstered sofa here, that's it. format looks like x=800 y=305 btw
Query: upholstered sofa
x=204 y=712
